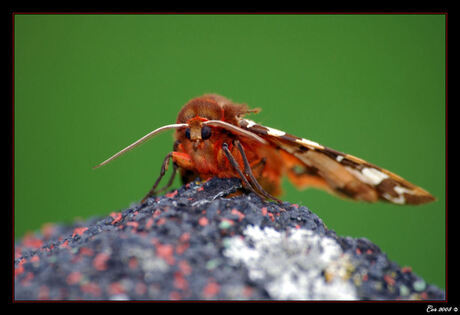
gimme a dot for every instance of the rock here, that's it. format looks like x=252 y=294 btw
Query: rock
x=194 y=243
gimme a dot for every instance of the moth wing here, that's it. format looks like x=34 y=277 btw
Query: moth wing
x=303 y=176
x=310 y=164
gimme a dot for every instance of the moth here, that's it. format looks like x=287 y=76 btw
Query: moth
x=212 y=138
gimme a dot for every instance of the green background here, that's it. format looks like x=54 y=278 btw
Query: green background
x=85 y=86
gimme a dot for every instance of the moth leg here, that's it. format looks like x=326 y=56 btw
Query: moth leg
x=164 y=168
x=171 y=179
x=237 y=168
x=248 y=172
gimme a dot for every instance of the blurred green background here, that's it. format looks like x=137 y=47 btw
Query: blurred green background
x=85 y=86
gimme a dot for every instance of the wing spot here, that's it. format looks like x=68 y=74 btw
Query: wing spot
x=399 y=200
x=275 y=132
x=250 y=123
x=368 y=175
x=309 y=143
x=401 y=190
x=373 y=175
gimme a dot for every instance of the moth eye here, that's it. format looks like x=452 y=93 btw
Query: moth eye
x=205 y=132
x=187 y=133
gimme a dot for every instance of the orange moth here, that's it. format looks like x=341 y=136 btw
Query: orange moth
x=212 y=138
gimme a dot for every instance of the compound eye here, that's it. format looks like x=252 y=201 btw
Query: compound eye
x=205 y=132
x=187 y=133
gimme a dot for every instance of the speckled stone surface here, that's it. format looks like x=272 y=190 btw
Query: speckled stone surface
x=195 y=244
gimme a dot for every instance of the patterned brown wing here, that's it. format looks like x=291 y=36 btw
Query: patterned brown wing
x=339 y=173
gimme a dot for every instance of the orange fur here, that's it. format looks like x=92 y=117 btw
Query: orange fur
x=208 y=159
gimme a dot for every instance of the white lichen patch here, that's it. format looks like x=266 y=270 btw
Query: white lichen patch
x=292 y=264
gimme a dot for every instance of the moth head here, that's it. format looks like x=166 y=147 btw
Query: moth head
x=196 y=129
x=197 y=132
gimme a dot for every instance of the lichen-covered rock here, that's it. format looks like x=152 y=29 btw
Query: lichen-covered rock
x=194 y=243
x=294 y=265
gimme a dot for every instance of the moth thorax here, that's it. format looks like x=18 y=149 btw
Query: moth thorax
x=204 y=107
